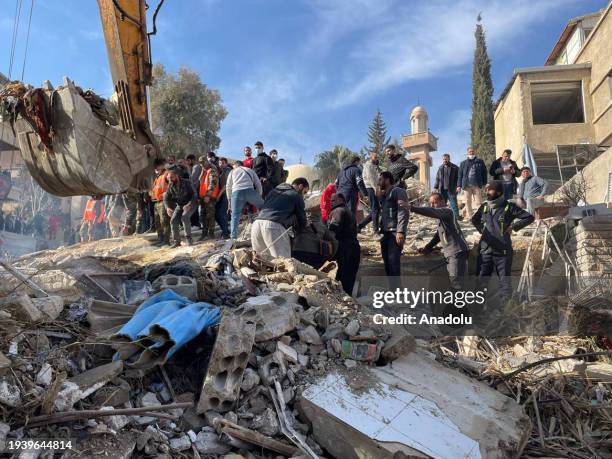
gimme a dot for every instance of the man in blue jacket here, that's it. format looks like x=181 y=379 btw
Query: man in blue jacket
x=472 y=177
x=350 y=183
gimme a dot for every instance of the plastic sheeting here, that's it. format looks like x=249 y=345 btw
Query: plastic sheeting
x=160 y=327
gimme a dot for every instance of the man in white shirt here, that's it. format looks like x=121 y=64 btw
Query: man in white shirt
x=243 y=187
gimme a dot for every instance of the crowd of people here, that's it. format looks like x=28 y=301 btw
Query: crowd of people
x=44 y=225
x=209 y=191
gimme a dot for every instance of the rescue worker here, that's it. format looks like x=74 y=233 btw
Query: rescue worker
x=393 y=225
x=180 y=202
x=263 y=166
x=116 y=214
x=342 y=223
x=208 y=194
x=449 y=234
x=92 y=216
x=282 y=210
x=495 y=220
x=195 y=170
x=161 y=218
x=314 y=244
x=243 y=187
x=399 y=167
x=277 y=171
x=350 y=183
x=222 y=201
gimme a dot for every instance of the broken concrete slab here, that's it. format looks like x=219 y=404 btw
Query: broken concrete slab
x=310 y=335
x=274 y=314
x=10 y=395
x=207 y=442
x=84 y=384
x=250 y=379
x=181 y=443
x=417 y=407
x=21 y=307
x=400 y=344
x=352 y=328
x=50 y=306
x=227 y=363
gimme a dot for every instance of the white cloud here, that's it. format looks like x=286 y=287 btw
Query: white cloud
x=93 y=35
x=419 y=41
x=454 y=137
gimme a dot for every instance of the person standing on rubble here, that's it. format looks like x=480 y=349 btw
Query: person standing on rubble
x=282 y=210
x=263 y=166
x=371 y=170
x=532 y=187
x=344 y=226
x=208 y=194
x=134 y=213
x=446 y=183
x=243 y=187
x=399 y=167
x=349 y=183
x=92 y=216
x=472 y=177
x=195 y=170
x=180 y=202
x=495 y=220
x=393 y=225
x=161 y=218
x=222 y=201
x=505 y=170
x=277 y=171
x=449 y=235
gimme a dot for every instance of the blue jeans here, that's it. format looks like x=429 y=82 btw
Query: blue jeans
x=508 y=190
x=221 y=215
x=374 y=211
x=452 y=200
x=239 y=199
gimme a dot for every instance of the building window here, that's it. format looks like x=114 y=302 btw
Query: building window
x=557 y=103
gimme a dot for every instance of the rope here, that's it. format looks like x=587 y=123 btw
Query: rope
x=25 y=54
x=15 y=33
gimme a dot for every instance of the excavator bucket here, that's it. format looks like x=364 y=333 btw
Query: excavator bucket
x=71 y=151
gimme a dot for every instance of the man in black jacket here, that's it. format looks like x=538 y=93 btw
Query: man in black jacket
x=506 y=171
x=495 y=220
x=277 y=171
x=263 y=166
x=282 y=210
x=446 y=183
x=393 y=225
x=350 y=183
x=449 y=234
x=180 y=201
x=399 y=167
x=342 y=222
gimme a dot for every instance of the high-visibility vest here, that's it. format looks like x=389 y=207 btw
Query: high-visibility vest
x=90 y=211
x=205 y=183
x=160 y=186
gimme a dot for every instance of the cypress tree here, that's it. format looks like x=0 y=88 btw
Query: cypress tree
x=482 y=124
x=377 y=134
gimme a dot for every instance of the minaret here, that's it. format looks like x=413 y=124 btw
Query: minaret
x=420 y=143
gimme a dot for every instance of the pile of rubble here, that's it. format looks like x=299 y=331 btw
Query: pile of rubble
x=295 y=368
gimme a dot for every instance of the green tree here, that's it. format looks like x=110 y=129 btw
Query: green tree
x=377 y=135
x=186 y=114
x=330 y=162
x=482 y=124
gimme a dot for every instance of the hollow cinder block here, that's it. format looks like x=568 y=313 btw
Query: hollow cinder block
x=183 y=285
x=229 y=359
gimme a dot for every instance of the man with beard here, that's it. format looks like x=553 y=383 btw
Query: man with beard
x=342 y=223
x=399 y=167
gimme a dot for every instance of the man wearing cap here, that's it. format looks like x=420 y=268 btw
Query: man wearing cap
x=495 y=220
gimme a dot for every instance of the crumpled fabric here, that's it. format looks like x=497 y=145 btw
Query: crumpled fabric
x=160 y=327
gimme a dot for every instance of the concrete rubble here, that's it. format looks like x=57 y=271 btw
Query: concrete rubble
x=296 y=368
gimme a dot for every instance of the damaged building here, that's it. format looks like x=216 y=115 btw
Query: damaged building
x=562 y=110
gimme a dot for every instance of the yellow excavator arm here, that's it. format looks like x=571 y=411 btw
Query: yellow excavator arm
x=124 y=23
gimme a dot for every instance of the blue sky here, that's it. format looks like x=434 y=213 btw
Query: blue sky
x=303 y=75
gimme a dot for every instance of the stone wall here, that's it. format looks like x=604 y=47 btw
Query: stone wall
x=590 y=246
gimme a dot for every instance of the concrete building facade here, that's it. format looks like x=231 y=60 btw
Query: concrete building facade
x=562 y=110
x=420 y=143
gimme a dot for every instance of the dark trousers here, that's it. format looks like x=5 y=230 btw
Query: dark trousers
x=374 y=211
x=348 y=257
x=391 y=253
x=508 y=190
x=500 y=263
x=313 y=259
x=456 y=266
x=221 y=215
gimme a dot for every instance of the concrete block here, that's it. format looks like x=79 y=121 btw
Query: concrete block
x=272 y=367
x=180 y=443
x=309 y=335
x=116 y=422
x=183 y=285
x=400 y=344
x=9 y=395
x=288 y=352
x=83 y=385
x=250 y=379
x=228 y=361
x=274 y=314
x=21 y=307
x=50 y=306
x=352 y=328
x=207 y=442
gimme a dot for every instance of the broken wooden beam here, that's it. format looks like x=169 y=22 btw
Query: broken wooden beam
x=256 y=438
